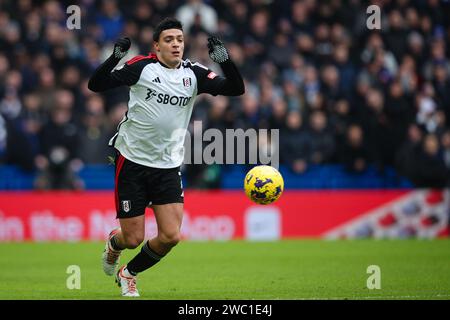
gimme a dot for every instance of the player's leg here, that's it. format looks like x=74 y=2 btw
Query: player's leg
x=168 y=202
x=165 y=191
x=168 y=218
x=129 y=236
x=131 y=233
x=166 y=195
x=131 y=200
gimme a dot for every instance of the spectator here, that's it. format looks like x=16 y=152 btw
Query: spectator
x=110 y=20
x=295 y=144
x=345 y=69
x=295 y=71
x=250 y=115
x=70 y=79
x=237 y=15
x=438 y=57
x=300 y=17
x=380 y=63
x=27 y=128
x=416 y=47
x=445 y=143
x=379 y=128
x=396 y=36
x=3 y=140
x=354 y=154
x=280 y=51
x=330 y=83
x=18 y=148
x=324 y=47
x=57 y=162
x=292 y=97
x=407 y=153
x=278 y=114
x=194 y=10
x=10 y=105
x=94 y=134
x=429 y=169
x=304 y=44
x=46 y=89
x=407 y=75
x=339 y=119
x=322 y=141
x=258 y=38
x=441 y=83
x=399 y=111
x=427 y=108
x=311 y=85
x=143 y=14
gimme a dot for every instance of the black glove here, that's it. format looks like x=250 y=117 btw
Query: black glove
x=121 y=47
x=217 y=51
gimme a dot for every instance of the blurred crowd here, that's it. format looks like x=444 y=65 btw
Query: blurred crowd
x=337 y=91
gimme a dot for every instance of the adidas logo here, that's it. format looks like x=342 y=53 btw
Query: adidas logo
x=156 y=80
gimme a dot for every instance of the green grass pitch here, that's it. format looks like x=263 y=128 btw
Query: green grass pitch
x=294 y=269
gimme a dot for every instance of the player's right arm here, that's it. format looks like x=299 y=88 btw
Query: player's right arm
x=103 y=79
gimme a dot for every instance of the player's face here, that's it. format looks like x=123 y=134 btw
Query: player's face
x=170 y=47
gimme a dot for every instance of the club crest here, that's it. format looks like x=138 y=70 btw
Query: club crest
x=187 y=82
x=126 y=205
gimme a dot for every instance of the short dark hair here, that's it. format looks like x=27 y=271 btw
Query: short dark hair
x=167 y=23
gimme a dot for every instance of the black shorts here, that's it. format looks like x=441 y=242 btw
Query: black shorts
x=138 y=186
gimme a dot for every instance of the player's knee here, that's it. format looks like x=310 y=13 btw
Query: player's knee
x=133 y=242
x=170 y=239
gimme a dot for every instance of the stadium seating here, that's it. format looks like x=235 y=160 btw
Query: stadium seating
x=334 y=176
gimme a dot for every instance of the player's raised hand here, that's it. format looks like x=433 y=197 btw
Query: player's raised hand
x=121 y=47
x=217 y=51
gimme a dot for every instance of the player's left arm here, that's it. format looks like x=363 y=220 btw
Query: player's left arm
x=231 y=84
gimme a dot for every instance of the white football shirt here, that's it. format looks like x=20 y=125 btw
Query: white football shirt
x=161 y=100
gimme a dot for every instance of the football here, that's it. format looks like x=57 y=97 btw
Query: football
x=263 y=184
